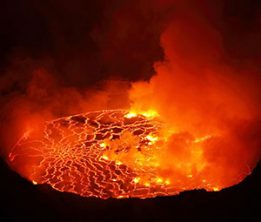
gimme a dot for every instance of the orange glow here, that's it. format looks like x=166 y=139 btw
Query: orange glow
x=195 y=124
x=120 y=154
x=216 y=189
x=125 y=157
x=149 y=113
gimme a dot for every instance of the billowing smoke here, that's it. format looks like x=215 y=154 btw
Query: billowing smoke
x=203 y=95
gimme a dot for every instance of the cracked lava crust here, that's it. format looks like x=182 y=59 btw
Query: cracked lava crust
x=102 y=154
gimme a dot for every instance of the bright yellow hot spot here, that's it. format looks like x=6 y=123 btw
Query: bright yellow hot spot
x=148 y=114
x=136 y=180
x=118 y=162
x=103 y=145
x=105 y=157
x=147 y=184
x=131 y=115
x=159 y=180
x=152 y=138
x=216 y=189
x=167 y=182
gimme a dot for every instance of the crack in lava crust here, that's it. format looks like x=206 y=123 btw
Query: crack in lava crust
x=102 y=154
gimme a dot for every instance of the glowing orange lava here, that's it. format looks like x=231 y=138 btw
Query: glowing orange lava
x=112 y=153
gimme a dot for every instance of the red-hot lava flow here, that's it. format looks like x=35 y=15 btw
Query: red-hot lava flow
x=113 y=153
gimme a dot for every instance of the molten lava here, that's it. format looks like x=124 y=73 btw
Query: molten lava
x=112 y=153
x=191 y=123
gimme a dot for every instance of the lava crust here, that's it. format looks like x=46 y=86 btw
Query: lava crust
x=102 y=154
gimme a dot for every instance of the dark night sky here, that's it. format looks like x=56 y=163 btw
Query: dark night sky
x=87 y=41
x=86 y=38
